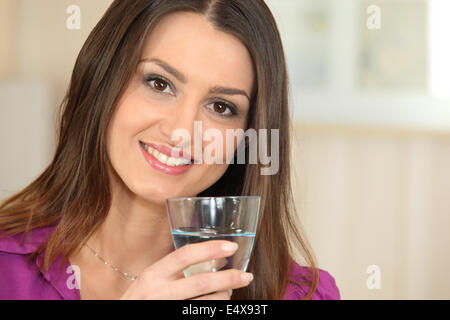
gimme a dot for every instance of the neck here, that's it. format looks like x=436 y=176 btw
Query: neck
x=135 y=234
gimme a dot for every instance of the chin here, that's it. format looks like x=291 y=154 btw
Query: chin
x=159 y=195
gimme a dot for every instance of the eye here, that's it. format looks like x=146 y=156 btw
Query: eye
x=222 y=108
x=158 y=84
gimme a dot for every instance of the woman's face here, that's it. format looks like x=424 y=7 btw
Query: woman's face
x=189 y=71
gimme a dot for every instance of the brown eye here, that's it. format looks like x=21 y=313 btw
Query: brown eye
x=220 y=107
x=160 y=85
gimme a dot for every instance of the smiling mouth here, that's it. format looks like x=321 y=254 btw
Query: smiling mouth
x=165 y=159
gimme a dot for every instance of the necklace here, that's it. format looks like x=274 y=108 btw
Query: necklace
x=125 y=274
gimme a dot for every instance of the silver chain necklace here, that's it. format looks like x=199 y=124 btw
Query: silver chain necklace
x=125 y=274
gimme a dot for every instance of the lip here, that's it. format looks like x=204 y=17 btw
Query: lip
x=169 y=151
x=162 y=167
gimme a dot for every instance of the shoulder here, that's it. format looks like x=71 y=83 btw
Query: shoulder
x=24 y=243
x=326 y=289
x=21 y=278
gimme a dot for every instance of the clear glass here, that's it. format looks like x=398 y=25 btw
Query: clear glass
x=198 y=219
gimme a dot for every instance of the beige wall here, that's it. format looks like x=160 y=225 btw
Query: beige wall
x=377 y=197
x=45 y=48
x=37 y=54
x=7 y=11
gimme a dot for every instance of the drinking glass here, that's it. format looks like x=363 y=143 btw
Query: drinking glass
x=198 y=219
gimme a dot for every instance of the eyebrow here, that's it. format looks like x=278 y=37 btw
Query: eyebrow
x=182 y=78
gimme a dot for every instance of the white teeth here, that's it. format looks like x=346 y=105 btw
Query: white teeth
x=162 y=158
x=172 y=162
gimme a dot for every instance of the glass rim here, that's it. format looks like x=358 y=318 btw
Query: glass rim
x=208 y=198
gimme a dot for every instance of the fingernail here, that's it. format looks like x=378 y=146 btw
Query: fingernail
x=246 y=277
x=229 y=246
x=230 y=292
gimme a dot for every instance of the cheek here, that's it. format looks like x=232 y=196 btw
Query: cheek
x=131 y=115
x=120 y=132
x=216 y=154
x=125 y=125
x=207 y=176
x=134 y=114
x=136 y=111
x=220 y=145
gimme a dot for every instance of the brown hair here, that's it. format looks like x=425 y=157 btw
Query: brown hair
x=74 y=191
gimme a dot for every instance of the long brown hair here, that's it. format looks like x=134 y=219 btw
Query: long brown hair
x=74 y=192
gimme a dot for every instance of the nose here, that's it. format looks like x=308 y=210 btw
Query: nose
x=177 y=124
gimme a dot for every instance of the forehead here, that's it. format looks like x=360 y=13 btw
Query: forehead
x=191 y=44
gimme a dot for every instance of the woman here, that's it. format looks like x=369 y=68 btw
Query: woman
x=148 y=68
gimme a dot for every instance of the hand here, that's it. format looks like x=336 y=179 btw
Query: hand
x=164 y=280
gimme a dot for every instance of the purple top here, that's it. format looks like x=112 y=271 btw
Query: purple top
x=24 y=281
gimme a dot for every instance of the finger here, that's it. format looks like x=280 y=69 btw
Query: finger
x=188 y=255
x=205 y=283
x=219 y=264
x=221 y=295
x=207 y=266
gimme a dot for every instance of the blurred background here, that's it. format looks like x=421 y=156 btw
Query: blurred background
x=370 y=92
